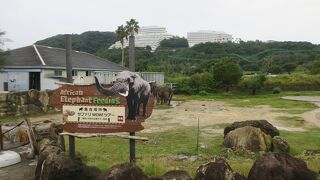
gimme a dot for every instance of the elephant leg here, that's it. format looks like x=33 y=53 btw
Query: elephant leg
x=131 y=109
x=134 y=110
x=145 y=102
x=138 y=108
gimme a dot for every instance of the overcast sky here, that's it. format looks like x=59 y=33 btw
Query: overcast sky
x=26 y=21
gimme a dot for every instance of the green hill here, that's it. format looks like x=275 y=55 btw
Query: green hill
x=89 y=41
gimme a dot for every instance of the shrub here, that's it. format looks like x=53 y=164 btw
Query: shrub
x=276 y=90
x=203 y=93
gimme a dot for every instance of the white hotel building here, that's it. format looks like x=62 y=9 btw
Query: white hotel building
x=207 y=36
x=147 y=36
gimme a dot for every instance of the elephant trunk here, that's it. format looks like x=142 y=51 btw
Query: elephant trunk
x=116 y=89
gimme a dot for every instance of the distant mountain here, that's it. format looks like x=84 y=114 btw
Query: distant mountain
x=89 y=41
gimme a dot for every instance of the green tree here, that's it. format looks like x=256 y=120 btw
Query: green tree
x=174 y=42
x=132 y=27
x=227 y=72
x=314 y=68
x=122 y=34
x=254 y=83
x=275 y=69
x=201 y=82
x=289 y=67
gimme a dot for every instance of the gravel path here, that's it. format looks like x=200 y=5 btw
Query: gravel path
x=310 y=116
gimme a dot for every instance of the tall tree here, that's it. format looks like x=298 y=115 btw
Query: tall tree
x=132 y=27
x=122 y=34
x=227 y=73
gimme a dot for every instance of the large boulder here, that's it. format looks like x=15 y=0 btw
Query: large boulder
x=61 y=167
x=280 y=144
x=125 y=171
x=45 y=150
x=176 y=174
x=264 y=125
x=217 y=169
x=248 y=138
x=280 y=166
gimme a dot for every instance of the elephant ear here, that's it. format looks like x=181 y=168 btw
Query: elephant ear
x=132 y=78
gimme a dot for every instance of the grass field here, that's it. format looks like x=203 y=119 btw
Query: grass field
x=153 y=155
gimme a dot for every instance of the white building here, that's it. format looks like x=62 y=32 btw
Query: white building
x=147 y=36
x=207 y=36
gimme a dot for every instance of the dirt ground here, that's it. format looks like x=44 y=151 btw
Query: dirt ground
x=215 y=112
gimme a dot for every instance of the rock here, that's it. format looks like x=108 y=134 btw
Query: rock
x=248 y=138
x=218 y=169
x=280 y=166
x=125 y=171
x=19 y=134
x=44 y=100
x=181 y=157
x=32 y=108
x=43 y=144
x=55 y=130
x=3 y=97
x=311 y=152
x=176 y=174
x=264 y=125
x=61 y=167
x=33 y=96
x=44 y=153
x=24 y=99
x=280 y=144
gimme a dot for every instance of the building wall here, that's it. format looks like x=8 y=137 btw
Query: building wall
x=147 y=36
x=18 y=81
x=3 y=78
x=46 y=81
x=207 y=36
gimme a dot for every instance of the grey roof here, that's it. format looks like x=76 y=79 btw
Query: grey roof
x=27 y=57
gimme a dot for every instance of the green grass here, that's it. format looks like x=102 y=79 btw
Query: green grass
x=300 y=141
x=152 y=156
x=293 y=120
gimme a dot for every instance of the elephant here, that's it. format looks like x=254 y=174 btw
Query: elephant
x=136 y=90
x=162 y=93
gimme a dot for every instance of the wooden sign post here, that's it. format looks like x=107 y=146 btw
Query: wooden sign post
x=87 y=109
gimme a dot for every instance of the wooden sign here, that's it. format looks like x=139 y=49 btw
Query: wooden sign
x=94 y=109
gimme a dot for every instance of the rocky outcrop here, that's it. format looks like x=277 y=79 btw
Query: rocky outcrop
x=61 y=167
x=280 y=144
x=176 y=174
x=124 y=171
x=217 y=169
x=264 y=125
x=23 y=103
x=280 y=166
x=248 y=138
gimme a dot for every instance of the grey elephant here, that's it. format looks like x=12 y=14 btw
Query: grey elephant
x=162 y=93
x=133 y=87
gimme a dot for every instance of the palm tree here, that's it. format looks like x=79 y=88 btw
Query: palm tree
x=132 y=27
x=122 y=34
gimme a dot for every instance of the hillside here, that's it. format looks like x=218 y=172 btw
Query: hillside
x=175 y=57
x=89 y=41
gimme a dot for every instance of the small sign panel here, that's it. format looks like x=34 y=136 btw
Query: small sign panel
x=94 y=114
